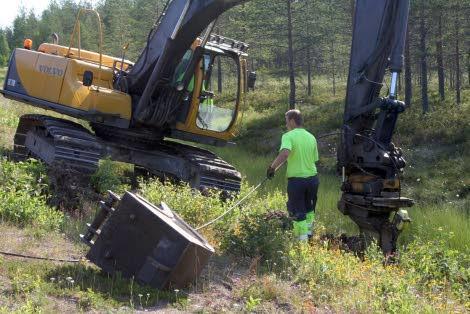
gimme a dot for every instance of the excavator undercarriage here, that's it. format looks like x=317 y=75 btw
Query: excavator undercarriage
x=57 y=141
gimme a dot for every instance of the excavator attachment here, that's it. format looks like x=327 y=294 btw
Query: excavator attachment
x=151 y=244
x=367 y=159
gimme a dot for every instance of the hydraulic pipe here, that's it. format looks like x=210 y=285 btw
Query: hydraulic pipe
x=394 y=85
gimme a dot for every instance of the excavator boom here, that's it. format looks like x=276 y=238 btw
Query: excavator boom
x=370 y=163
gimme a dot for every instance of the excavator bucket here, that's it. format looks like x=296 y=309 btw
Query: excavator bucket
x=149 y=243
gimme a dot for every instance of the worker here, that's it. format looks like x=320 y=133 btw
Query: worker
x=28 y=44
x=181 y=67
x=299 y=149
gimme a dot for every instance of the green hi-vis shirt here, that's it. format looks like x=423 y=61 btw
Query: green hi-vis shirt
x=303 y=153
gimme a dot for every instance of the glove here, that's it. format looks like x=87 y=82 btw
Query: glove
x=270 y=173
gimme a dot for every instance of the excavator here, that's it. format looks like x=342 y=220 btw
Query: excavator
x=140 y=112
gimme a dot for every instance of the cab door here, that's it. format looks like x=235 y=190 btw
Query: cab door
x=218 y=85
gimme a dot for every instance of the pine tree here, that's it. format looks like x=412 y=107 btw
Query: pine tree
x=4 y=48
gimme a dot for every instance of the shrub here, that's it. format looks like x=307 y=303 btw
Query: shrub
x=110 y=176
x=437 y=268
x=265 y=235
x=22 y=196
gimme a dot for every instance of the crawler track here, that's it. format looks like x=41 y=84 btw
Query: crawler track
x=56 y=140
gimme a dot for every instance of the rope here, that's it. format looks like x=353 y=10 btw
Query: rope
x=40 y=258
x=233 y=207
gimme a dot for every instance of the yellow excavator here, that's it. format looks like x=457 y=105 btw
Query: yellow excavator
x=108 y=92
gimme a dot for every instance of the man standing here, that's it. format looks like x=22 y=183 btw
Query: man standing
x=299 y=148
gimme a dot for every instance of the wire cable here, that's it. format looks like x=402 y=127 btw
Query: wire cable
x=40 y=258
x=233 y=207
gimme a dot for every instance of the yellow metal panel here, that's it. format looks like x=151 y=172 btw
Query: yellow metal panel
x=52 y=70
x=99 y=97
x=83 y=55
x=41 y=75
x=25 y=66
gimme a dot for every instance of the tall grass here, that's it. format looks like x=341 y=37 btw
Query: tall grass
x=3 y=72
x=431 y=220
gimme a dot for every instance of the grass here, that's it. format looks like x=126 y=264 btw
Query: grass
x=258 y=266
x=40 y=283
x=3 y=72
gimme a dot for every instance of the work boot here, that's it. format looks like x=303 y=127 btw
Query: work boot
x=310 y=219
x=301 y=230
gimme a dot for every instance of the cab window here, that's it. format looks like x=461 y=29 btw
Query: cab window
x=219 y=93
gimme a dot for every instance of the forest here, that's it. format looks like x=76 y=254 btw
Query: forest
x=300 y=39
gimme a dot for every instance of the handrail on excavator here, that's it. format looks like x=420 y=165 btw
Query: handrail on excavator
x=76 y=29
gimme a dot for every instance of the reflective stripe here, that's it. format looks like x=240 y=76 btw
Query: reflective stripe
x=303 y=237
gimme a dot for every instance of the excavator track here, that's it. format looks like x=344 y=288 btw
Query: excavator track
x=54 y=141
x=214 y=172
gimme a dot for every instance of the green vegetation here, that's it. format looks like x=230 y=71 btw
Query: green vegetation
x=38 y=285
x=266 y=270
x=3 y=72
x=430 y=273
x=23 y=189
x=258 y=267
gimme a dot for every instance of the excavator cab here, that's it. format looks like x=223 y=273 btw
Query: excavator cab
x=215 y=93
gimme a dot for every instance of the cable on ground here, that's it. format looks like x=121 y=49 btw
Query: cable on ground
x=40 y=258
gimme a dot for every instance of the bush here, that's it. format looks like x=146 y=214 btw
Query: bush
x=261 y=235
x=22 y=196
x=190 y=204
x=437 y=268
x=110 y=176
x=23 y=209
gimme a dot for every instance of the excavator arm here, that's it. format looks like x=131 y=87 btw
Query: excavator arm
x=368 y=160
x=174 y=33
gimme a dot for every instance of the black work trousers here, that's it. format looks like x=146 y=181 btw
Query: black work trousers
x=302 y=196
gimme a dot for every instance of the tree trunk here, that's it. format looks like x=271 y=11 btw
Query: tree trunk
x=352 y=7
x=333 y=73
x=439 y=56
x=290 y=56
x=424 y=65
x=309 y=73
x=332 y=47
x=468 y=68
x=219 y=76
x=457 y=60
x=408 y=81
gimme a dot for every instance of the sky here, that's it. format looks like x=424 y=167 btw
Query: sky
x=10 y=8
